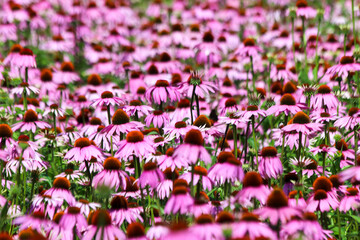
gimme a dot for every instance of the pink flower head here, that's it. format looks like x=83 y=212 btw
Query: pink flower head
x=36 y=221
x=303 y=10
x=102 y=228
x=30 y=122
x=135 y=144
x=252 y=188
x=73 y=217
x=200 y=174
x=66 y=74
x=162 y=92
x=107 y=98
x=228 y=168
x=277 y=208
x=83 y=150
x=192 y=149
x=351 y=200
x=251 y=112
x=250 y=226
x=158 y=118
x=301 y=124
x=308 y=228
x=61 y=190
x=323 y=198
x=121 y=124
x=324 y=99
x=287 y=106
x=137 y=110
x=121 y=212
x=248 y=49
x=347 y=64
x=179 y=202
x=151 y=176
x=26 y=58
x=270 y=165
x=112 y=175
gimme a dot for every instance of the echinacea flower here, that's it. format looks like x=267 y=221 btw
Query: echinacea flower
x=61 y=190
x=308 y=228
x=26 y=58
x=287 y=106
x=248 y=48
x=112 y=175
x=205 y=228
x=35 y=220
x=324 y=99
x=227 y=169
x=86 y=206
x=135 y=231
x=270 y=165
x=135 y=144
x=179 y=202
x=5 y=135
x=250 y=226
x=251 y=112
x=349 y=122
x=83 y=150
x=352 y=172
x=102 y=228
x=277 y=208
x=137 y=110
x=192 y=149
x=151 y=176
x=158 y=118
x=121 y=124
x=301 y=124
x=303 y=10
x=296 y=200
x=66 y=74
x=162 y=92
x=108 y=98
x=24 y=87
x=73 y=217
x=30 y=122
x=121 y=212
x=167 y=161
x=346 y=65
x=351 y=200
x=198 y=176
x=252 y=188
x=323 y=198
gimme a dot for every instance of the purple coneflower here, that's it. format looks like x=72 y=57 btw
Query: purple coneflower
x=296 y=200
x=227 y=169
x=73 y=217
x=199 y=174
x=192 y=149
x=61 y=189
x=277 y=208
x=179 y=202
x=162 y=92
x=36 y=221
x=158 y=118
x=135 y=144
x=304 y=11
x=323 y=198
x=83 y=150
x=324 y=99
x=351 y=200
x=86 y=206
x=101 y=227
x=121 y=212
x=136 y=231
x=151 y=176
x=107 y=98
x=347 y=64
x=112 y=175
x=137 y=110
x=205 y=228
x=287 y=105
x=30 y=122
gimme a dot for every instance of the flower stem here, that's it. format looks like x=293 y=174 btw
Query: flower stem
x=25 y=100
x=223 y=142
x=353 y=22
x=235 y=141
x=108 y=114
x=191 y=104
x=293 y=39
x=316 y=51
x=339 y=220
x=252 y=72
x=255 y=143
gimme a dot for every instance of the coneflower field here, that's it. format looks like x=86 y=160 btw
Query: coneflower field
x=179 y=119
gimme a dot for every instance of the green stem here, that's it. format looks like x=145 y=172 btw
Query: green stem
x=353 y=22
x=252 y=72
x=191 y=105
x=255 y=143
x=108 y=114
x=293 y=39
x=235 y=141
x=316 y=51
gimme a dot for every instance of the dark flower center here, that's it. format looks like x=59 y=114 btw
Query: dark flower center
x=26 y=52
x=346 y=60
x=301 y=118
x=224 y=217
x=180 y=124
x=94 y=79
x=61 y=183
x=150 y=166
x=301 y=4
x=320 y=195
x=119 y=202
x=101 y=218
x=310 y=216
x=120 y=117
x=73 y=210
x=201 y=121
x=82 y=142
x=208 y=37
x=322 y=183
x=194 y=137
x=341 y=145
x=277 y=199
x=30 y=116
x=134 y=137
x=46 y=75
x=112 y=163
x=135 y=230
x=289 y=88
x=5 y=131
x=165 y=57
x=353 y=111
x=287 y=99
x=204 y=219
x=324 y=89
x=252 y=179
x=183 y=103
x=107 y=94
x=248 y=42
x=224 y=156
x=252 y=108
x=249 y=217
x=67 y=67
x=200 y=171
